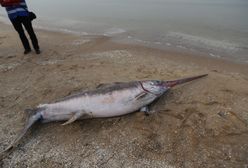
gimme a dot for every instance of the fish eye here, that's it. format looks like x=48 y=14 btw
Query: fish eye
x=156 y=82
x=153 y=83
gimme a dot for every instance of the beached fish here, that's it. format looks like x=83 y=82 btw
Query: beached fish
x=108 y=100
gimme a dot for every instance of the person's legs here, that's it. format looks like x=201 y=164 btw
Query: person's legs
x=28 y=26
x=18 y=27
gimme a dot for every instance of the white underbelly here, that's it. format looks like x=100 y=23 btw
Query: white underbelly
x=97 y=106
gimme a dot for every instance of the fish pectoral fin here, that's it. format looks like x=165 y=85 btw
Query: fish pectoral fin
x=147 y=110
x=140 y=95
x=144 y=109
x=76 y=116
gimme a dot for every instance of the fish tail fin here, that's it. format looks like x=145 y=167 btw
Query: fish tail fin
x=34 y=116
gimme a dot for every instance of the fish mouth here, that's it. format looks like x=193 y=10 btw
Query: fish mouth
x=170 y=84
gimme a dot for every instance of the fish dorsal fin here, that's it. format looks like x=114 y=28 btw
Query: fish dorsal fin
x=103 y=85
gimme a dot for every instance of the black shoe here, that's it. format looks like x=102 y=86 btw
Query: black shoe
x=27 y=52
x=37 y=51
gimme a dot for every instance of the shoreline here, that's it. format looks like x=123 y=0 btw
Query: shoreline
x=172 y=41
x=181 y=133
x=196 y=57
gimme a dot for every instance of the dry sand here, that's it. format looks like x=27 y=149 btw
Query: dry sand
x=199 y=124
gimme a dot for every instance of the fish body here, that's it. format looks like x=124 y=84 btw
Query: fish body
x=106 y=101
x=110 y=101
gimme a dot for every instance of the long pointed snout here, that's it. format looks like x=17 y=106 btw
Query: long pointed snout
x=170 y=84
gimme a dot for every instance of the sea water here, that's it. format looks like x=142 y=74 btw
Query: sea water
x=218 y=28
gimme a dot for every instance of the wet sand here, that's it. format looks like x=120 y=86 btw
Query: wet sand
x=200 y=124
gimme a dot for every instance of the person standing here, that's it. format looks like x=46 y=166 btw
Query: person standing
x=19 y=17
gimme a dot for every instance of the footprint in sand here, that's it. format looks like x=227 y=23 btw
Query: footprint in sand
x=2 y=41
x=3 y=37
x=227 y=90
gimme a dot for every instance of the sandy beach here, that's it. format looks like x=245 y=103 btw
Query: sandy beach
x=200 y=124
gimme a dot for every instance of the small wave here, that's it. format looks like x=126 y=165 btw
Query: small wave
x=114 y=31
x=157 y=42
x=142 y=41
x=214 y=55
x=73 y=32
x=80 y=42
x=63 y=30
x=180 y=46
x=209 y=43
